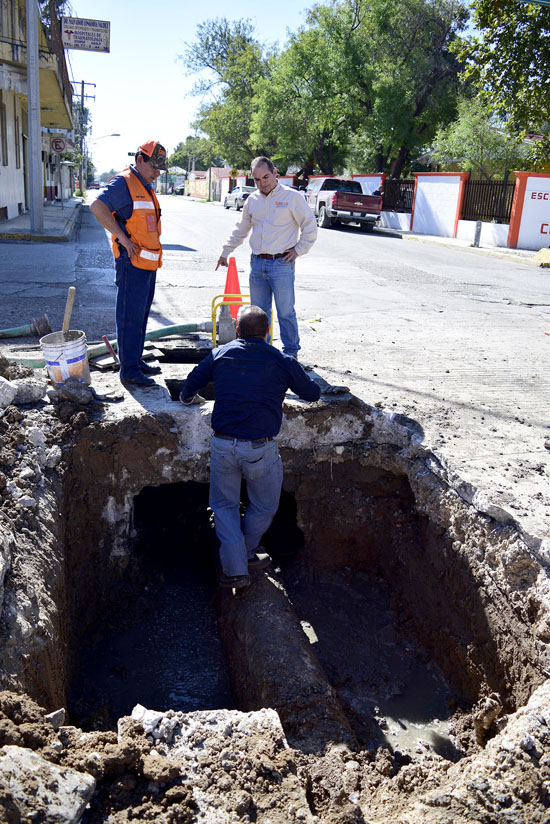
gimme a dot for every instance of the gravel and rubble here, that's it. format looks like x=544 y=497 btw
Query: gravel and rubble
x=226 y=766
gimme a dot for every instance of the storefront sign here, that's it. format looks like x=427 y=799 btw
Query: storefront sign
x=530 y=221
x=88 y=35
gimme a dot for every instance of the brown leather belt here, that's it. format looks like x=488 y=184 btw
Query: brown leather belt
x=271 y=257
x=248 y=440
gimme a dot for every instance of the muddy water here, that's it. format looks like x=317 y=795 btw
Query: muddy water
x=167 y=656
x=391 y=693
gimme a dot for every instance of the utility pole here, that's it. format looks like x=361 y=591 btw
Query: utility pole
x=83 y=97
x=36 y=181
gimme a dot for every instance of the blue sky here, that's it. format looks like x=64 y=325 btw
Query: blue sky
x=142 y=90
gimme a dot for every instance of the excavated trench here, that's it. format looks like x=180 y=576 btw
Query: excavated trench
x=393 y=609
x=403 y=625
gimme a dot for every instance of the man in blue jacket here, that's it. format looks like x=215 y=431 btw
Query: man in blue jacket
x=250 y=380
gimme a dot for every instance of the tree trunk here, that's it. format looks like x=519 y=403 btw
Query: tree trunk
x=396 y=168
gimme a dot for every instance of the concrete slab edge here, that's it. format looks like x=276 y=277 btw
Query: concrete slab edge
x=68 y=232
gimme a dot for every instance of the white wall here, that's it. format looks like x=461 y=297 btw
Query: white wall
x=395 y=220
x=369 y=183
x=492 y=234
x=435 y=205
x=67 y=176
x=224 y=187
x=534 y=230
x=12 y=186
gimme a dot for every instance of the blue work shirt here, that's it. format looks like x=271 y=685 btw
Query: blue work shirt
x=250 y=380
x=116 y=196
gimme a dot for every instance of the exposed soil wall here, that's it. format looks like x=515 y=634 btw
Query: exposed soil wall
x=461 y=578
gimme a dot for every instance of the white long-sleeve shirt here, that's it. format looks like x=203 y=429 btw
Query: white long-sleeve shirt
x=279 y=221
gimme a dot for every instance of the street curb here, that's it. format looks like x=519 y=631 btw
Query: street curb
x=68 y=233
x=517 y=258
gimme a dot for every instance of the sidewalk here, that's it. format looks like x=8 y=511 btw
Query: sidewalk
x=525 y=255
x=59 y=224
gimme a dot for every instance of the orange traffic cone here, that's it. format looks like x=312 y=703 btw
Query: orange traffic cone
x=232 y=287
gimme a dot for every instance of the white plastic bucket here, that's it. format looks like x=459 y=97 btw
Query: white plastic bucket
x=66 y=356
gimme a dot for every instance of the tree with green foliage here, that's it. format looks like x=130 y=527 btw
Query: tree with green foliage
x=509 y=61
x=44 y=7
x=397 y=75
x=105 y=176
x=195 y=152
x=301 y=109
x=475 y=141
x=233 y=61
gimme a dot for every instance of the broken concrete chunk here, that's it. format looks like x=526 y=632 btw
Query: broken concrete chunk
x=36 y=436
x=44 y=791
x=30 y=390
x=236 y=759
x=57 y=718
x=53 y=457
x=13 y=490
x=27 y=474
x=8 y=391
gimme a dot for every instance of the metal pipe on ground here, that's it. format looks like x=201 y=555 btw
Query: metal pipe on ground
x=39 y=327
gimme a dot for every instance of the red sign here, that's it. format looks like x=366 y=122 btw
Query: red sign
x=58 y=145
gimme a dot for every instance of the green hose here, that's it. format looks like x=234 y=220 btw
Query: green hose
x=101 y=349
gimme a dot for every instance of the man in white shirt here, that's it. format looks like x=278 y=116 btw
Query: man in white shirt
x=283 y=227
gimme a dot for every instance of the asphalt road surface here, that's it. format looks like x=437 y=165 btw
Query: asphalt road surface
x=451 y=337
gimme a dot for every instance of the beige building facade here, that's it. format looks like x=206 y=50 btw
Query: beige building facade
x=55 y=110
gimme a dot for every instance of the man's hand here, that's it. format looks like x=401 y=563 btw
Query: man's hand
x=195 y=399
x=222 y=261
x=334 y=390
x=290 y=255
x=131 y=247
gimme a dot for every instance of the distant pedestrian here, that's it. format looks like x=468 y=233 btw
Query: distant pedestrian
x=128 y=208
x=250 y=380
x=283 y=228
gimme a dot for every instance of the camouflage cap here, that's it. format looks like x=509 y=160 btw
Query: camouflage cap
x=155 y=153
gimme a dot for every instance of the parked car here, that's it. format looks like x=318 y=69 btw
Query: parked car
x=342 y=201
x=94 y=185
x=237 y=197
x=179 y=190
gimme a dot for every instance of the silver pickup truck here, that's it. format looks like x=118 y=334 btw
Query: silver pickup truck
x=334 y=200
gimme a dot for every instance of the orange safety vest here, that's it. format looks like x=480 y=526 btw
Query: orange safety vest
x=143 y=226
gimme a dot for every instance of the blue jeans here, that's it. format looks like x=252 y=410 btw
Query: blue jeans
x=275 y=278
x=136 y=289
x=261 y=466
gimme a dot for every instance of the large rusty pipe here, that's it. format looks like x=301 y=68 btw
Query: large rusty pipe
x=272 y=664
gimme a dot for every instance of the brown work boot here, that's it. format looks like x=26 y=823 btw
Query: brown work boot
x=234 y=581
